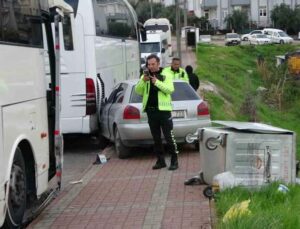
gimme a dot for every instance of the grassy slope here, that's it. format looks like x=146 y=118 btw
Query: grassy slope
x=234 y=71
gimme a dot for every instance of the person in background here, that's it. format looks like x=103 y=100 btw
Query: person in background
x=176 y=71
x=156 y=88
x=193 y=78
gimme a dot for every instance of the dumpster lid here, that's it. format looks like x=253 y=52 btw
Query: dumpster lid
x=252 y=126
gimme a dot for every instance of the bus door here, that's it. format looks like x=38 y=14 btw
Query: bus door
x=73 y=78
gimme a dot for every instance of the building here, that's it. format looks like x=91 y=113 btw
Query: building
x=259 y=11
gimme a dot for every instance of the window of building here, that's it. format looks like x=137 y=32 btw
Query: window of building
x=225 y=13
x=206 y=14
x=263 y=12
x=237 y=8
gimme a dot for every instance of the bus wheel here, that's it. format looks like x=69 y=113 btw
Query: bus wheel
x=121 y=150
x=17 y=192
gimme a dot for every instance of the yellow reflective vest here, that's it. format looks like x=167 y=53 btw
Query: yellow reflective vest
x=166 y=88
x=180 y=75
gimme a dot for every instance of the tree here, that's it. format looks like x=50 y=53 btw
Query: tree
x=283 y=17
x=201 y=23
x=143 y=10
x=296 y=21
x=237 y=21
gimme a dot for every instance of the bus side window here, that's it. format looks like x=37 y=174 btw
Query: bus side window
x=67 y=33
x=21 y=23
x=114 y=19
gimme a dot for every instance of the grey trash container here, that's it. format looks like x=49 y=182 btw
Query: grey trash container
x=254 y=153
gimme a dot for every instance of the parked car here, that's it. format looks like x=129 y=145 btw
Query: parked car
x=278 y=36
x=205 y=38
x=259 y=39
x=123 y=122
x=246 y=37
x=232 y=39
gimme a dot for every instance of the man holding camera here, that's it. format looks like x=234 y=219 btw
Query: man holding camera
x=156 y=88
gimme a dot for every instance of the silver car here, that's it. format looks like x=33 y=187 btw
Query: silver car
x=232 y=39
x=123 y=122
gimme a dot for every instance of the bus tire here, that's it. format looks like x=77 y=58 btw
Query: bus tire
x=17 y=192
x=121 y=150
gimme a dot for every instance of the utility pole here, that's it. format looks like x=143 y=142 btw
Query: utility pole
x=184 y=13
x=178 y=29
x=151 y=10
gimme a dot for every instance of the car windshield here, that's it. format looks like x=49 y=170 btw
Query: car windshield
x=183 y=92
x=232 y=35
x=150 y=47
x=261 y=36
x=282 y=34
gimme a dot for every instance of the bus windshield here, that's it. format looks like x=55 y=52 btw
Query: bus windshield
x=164 y=28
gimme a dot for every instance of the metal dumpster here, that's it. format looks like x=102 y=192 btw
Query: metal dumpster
x=254 y=153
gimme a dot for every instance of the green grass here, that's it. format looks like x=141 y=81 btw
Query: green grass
x=269 y=208
x=234 y=71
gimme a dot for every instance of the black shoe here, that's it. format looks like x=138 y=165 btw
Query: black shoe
x=160 y=163
x=173 y=166
x=174 y=163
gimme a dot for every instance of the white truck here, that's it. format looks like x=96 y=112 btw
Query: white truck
x=156 y=43
x=160 y=25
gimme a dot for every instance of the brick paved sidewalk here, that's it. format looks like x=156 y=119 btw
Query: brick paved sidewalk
x=129 y=194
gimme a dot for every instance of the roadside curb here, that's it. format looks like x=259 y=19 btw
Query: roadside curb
x=213 y=213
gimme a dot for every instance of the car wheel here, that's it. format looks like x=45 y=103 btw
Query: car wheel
x=16 y=193
x=281 y=42
x=121 y=150
x=245 y=39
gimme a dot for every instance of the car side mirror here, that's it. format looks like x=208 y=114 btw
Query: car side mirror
x=163 y=50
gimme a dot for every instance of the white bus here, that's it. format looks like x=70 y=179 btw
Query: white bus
x=100 y=49
x=160 y=24
x=27 y=159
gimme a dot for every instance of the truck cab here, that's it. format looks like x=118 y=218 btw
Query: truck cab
x=156 y=43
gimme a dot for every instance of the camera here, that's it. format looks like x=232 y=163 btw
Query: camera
x=146 y=72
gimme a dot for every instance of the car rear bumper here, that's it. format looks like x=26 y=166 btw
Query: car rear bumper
x=139 y=134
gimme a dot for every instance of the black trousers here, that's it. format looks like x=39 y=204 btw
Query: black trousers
x=162 y=121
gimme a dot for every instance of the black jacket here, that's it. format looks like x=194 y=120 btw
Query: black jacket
x=194 y=80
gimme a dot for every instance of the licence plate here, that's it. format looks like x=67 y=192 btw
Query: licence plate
x=178 y=114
